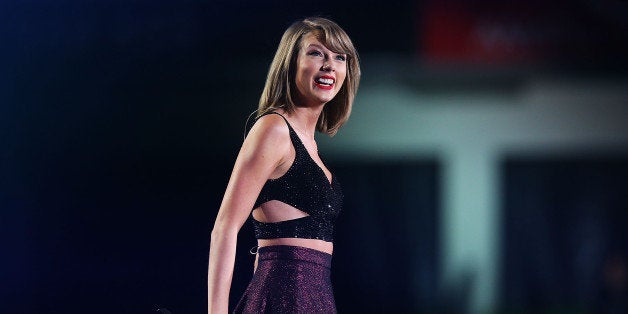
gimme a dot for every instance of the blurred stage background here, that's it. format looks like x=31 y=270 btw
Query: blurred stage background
x=485 y=166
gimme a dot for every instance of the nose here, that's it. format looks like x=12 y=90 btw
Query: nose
x=327 y=66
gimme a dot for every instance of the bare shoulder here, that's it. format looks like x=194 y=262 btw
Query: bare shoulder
x=269 y=133
x=270 y=127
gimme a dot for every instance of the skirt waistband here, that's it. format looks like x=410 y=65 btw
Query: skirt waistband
x=289 y=252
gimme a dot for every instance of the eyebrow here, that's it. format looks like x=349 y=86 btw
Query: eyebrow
x=318 y=46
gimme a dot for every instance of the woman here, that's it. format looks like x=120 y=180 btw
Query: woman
x=278 y=175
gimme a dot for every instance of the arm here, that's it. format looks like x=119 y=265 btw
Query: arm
x=262 y=152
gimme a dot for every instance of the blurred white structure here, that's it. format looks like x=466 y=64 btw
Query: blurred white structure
x=468 y=127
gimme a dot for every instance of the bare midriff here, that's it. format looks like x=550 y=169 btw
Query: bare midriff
x=315 y=244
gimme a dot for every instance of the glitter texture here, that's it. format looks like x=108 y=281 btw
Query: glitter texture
x=305 y=187
x=289 y=279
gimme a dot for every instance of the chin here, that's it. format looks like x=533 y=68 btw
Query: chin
x=328 y=98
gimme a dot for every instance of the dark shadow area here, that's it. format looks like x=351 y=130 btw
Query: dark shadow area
x=564 y=235
x=386 y=255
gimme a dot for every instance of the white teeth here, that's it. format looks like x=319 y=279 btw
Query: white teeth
x=325 y=81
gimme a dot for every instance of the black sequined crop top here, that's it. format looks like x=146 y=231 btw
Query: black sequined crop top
x=305 y=187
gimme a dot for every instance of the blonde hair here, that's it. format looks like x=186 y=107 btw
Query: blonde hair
x=280 y=91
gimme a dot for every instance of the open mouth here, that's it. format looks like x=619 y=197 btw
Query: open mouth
x=325 y=82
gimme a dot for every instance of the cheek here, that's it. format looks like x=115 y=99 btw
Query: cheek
x=301 y=74
x=344 y=76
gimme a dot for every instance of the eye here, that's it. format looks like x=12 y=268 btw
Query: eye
x=315 y=53
x=341 y=57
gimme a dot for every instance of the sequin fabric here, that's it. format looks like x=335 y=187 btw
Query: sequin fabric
x=305 y=187
x=289 y=279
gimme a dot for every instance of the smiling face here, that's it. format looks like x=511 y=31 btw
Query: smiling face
x=320 y=72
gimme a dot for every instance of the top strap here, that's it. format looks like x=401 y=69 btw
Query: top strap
x=279 y=114
x=294 y=138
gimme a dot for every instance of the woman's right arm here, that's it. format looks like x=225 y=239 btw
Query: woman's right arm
x=262 y=152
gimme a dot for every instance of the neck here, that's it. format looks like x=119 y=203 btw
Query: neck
x=305 y=119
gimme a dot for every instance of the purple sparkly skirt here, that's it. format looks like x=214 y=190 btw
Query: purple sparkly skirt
x=289 y=279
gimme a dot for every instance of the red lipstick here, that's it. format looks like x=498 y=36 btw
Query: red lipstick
x=330 y=82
